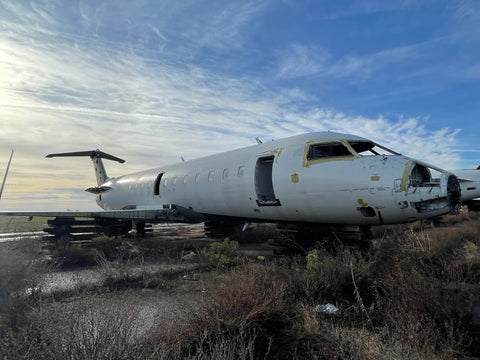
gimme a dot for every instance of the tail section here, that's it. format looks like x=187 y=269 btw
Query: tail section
x=96 y=156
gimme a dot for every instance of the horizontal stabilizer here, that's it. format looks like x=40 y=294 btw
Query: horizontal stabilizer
x=92 y=154
x=98 y=189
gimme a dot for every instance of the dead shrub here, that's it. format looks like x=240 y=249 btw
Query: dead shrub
x=408 y=302
x=232 y=346
x=326 y=337
x=21 y=271
x=323 y=276
x=448 y=254
x=248 y=303
x=247 y=295
x=22 y=343
x=88 y=330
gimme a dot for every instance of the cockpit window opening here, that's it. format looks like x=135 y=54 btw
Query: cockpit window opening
x=333 y=149
x=387 y=149
x=318 y=151
x=323 y=150
x=363 y=148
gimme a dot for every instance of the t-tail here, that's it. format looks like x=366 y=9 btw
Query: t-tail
x=96 y=156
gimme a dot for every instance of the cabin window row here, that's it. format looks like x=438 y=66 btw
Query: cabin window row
x=210 y=177
x=140 y=186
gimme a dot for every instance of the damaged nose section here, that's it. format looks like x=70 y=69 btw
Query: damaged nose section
x=453 y=195
x=429 y=196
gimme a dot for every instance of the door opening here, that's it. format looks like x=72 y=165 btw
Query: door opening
x=264 y=183
x=156 y=187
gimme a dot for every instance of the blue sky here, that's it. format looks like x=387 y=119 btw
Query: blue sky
x=150 y=81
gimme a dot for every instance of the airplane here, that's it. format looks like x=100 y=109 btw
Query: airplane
x=326 y=180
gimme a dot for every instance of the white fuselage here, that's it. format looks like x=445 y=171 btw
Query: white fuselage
x=282 y=181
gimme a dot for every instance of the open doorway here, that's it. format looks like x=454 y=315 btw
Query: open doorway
x=156 y=187
x=263 y=182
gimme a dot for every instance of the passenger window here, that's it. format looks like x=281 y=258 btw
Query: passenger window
x=241 y=171
x=211 y=176
x=197 y=178
x=225 y=174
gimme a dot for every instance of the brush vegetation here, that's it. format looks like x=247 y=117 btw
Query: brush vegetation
x=413 y=294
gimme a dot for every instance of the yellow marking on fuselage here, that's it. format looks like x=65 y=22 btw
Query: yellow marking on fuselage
x=362 y=203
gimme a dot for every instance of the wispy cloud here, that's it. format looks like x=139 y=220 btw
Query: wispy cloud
x=462 y=18
x=364 y=66
x=299 y=60
x=355 y=8
x=465 y=9
x=225 y=27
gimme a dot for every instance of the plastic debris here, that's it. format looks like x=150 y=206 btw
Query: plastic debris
x=190 y=256
x=328 y=309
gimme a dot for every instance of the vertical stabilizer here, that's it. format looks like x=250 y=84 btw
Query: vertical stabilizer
x=100 y=172
x=6 y=173
x=96 y=156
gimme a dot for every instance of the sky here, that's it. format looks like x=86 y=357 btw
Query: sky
x=154 y=81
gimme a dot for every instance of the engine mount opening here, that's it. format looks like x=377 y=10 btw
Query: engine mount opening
x=453 y=195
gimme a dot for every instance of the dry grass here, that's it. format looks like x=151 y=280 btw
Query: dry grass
x=412 y=295
x=21 y=224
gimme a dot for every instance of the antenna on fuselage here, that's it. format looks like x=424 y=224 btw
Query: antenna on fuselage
x=6 y=173
x=258 y=140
